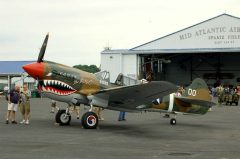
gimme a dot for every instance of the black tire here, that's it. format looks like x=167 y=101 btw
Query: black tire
x=62 y=118
x=89 y=120
x=173 y=121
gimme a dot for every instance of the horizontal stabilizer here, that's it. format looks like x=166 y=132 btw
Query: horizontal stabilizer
x=200 y=102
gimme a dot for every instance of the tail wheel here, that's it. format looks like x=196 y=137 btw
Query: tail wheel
x=62 y=117
x=173 y=121
x=89 y=120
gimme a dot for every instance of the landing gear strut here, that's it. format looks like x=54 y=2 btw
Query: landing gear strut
x=63 y=117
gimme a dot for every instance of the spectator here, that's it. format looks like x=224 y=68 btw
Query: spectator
x=25 y=104
x=98 y=111
x=13 y=102
x=121 y=116
x=5 y=90
x=220 y=92
x=213 y=91
x=54 y=106
x=76 y=109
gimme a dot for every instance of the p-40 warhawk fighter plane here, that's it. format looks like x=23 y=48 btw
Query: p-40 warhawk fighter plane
x=75 y=87
x=195 y=99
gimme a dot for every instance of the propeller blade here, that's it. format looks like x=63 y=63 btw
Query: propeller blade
x=43 y=49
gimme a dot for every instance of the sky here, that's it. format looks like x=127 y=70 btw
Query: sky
x=80 y=29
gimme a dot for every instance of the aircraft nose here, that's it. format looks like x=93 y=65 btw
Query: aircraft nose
x=34 y=69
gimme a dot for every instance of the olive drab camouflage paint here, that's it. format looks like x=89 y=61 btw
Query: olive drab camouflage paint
x=72 y=80
x=194 y=99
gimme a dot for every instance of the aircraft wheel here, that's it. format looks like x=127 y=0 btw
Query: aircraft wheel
x=173 y=121
x=89 y=120
x=62 y=117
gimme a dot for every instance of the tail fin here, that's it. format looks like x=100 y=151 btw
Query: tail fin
x=197 y=90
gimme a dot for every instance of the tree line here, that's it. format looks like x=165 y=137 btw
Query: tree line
x=87 y=68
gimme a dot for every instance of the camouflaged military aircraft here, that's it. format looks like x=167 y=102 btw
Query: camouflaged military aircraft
x=196 y=99
x=75 y=87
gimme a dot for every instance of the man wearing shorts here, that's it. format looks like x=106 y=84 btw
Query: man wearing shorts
x=13 y=101
x=25 y=104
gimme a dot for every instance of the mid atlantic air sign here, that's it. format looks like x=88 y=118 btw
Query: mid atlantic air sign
x=216 y=35
x=221 y=32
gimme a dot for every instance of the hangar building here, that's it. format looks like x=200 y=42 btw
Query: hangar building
x=209 y=50
x=11 y=74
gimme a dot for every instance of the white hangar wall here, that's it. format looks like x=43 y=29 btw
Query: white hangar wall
x=219 y=35
x=117 y=63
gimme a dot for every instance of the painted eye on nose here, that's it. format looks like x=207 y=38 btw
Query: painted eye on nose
x=49 y=74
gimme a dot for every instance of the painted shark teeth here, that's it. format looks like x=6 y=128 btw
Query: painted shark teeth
x=57 y=87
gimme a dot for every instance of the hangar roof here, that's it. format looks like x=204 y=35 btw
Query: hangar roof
x=13 y=68
x=218 y=34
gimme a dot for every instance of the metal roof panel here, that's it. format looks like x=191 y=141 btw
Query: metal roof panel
x=12 y=67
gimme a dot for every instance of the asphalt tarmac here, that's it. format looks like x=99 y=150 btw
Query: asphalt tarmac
x=215 y=135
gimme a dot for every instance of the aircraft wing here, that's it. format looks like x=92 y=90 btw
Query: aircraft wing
x=196 y=101
x=129 y=97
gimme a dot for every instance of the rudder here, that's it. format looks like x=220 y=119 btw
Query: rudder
x=198 y=90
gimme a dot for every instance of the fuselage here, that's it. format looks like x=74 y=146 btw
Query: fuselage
x=171 y=104
x=63 y=83
x=74 y=86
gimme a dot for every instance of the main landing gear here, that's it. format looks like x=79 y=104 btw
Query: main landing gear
x=89 y=119
x=63 y=117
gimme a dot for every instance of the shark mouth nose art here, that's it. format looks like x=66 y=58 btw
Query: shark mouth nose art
x=56 y=87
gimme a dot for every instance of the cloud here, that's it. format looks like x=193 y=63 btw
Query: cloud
x=79 y=30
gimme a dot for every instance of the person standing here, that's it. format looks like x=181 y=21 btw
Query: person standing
x=13 y=102
x=5 y=91
x=121 y=116
x=25 y=104
x=98 y=111
x=54 y=106
x=76 y=109
x=220 y=94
